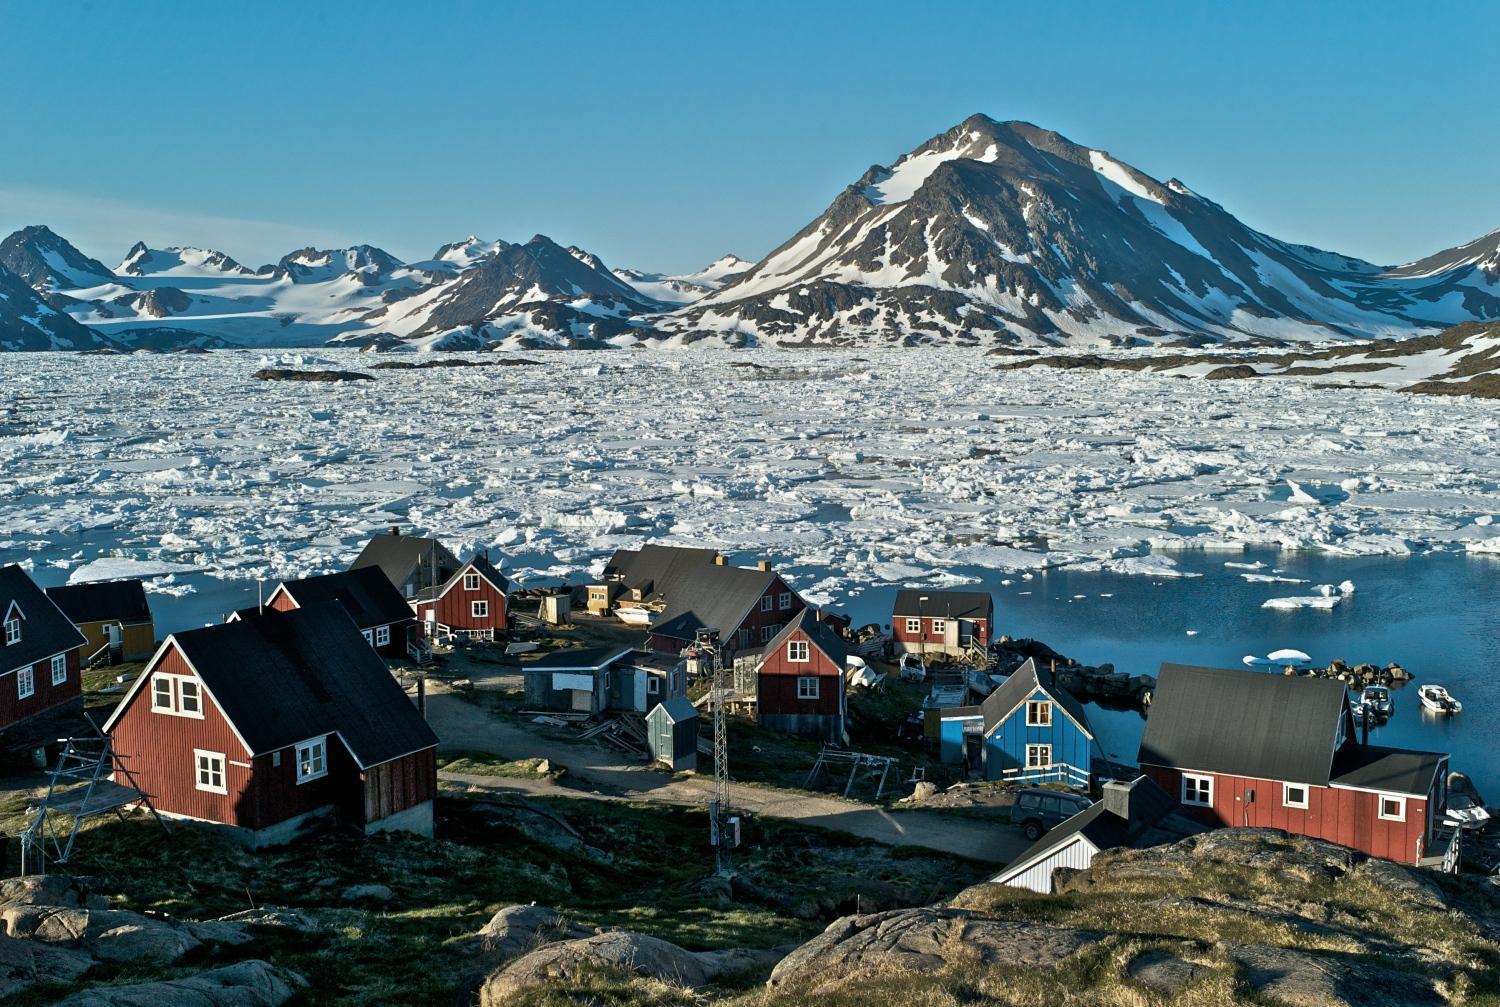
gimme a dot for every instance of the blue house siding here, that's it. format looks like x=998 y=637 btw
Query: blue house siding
x=1005 y=747
x=951 y=733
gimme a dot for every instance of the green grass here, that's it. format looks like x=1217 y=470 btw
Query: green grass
x=95 y=680
x=484 y=764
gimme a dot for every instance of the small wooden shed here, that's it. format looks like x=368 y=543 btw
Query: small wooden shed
x=672 y=732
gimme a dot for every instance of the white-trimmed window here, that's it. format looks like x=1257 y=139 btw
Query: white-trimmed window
x=653 y=685
x=786 y=600
x=209 y=771
x=1392 y=809
x=768 y=633
x=798 y=652
x=177 y=695
x=807 y=687
x=1038 y=756
x=312 y=760
x=25 y=682
x=471 y=582
x=382 y=636
x=59 y=669
x=1038 y=713
x=479 y=609
x=939 y=627
x=369 y=636
x=1293 y=795
x=767 y=603
x=12 y=631
x=1198 y=790
x=914 y=625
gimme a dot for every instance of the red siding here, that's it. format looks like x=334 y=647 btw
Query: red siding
x=47 y=696
x=399 y=784
x=778 y=681
x=1347 y=817
x=455 y=609
x=281 y=601
x=900 y=633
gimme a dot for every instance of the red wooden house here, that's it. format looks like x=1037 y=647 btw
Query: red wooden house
x=377 y=608
x=947 y=623
x=1245 y=748
x=277 y=719
x=470 y=604
x=39 y=653
x=800 y=680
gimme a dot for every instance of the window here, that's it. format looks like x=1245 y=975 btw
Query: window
x=471 y=582
x=312 y=760
x=59 y=669
x=369 y=636
x=768 y=633
x=1393 y=809
x=914 y=625
x=1198 y=790
x=1039 y=713
x=210 y=771
x=382 y=636
x=1293 y=795
x=939 y=627
x=786 y=600
x=12 y=631
x=653 y=685
x=25 y=683
x=1038 y=756
x=178 y=695
x=798 y=651
x=479 y=609
x=767 y=603
x=807 y=687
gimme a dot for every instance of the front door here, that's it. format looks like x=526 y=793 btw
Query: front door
x=112 y=631
x=640 y=692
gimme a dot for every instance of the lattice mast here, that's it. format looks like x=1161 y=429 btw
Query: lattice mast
x=707 y=641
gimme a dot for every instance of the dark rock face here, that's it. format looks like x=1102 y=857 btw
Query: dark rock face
x=46 y=261
x=286 y=374
x=28 y=322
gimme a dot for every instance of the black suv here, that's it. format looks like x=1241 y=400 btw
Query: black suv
x=1038 y=810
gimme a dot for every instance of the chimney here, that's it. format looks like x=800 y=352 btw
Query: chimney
x=1117 y=798
x=395 y=532
x=1054 y=673
x=763 y=565
x=720 y=559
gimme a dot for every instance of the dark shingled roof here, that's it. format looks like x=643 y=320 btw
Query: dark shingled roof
x=819 y=632
x=1245 y=723
x=948 y=604
x=103 y=601
x=1394 y=770
x=581 y=658
x=677 y=709
x=284 y=677
x=653 y=565
x=1020 y=686
x=45 y=629
x=369 y=598
x=709 y=596
x=398 y=555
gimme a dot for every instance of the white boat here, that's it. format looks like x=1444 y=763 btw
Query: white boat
x=1437 y=699
x=912 y=669
x=633 y=615
x=1465 y=813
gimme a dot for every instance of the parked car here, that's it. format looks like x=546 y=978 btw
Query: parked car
x=1037 y=810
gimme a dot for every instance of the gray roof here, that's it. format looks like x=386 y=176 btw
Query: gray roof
x=948 y=604
x=578 y=659
x=103 y=601
x=284 y=677
x=1245 y=723
x=654 y=565
x=709 y=596
x=677 y=709
x=370 y=599
x=398 y=556
x=819 y=632
x=481 y=563
x=45 y=629
x=1393 y=770
x=1020 y=686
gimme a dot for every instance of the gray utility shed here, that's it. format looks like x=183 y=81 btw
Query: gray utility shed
x=672 y=732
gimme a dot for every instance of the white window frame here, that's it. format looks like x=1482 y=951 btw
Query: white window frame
x=767 y=603
x=798 y=651
x=182 y=697
x=471 y=582
x=25 y=682
x=312 y=759
x=808 y=687
x=1201 y=785
x=1286 y=795
x=939 y=627
x=785 y=602
x=174 y=695
x=212 y=763
x=479 y=609
x=12 y=631
x=1034 y=707
x=653 y=685
x=158 y=694
x=59 y=669
x=369 y=636
x=1399 y=816
x=1044 y=761
x=914 y=626
x=382 y=636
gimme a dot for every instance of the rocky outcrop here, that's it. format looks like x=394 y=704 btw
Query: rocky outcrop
x=287 y=374
x=920 y=940
x=516 y=930
x=251 y=983
x=1302 y=979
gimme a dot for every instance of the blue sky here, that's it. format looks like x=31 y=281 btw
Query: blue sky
x=661 y=135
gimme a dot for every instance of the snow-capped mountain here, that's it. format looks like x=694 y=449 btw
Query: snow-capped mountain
x=685 y=288
x=1002 y=232
x=27 y=322
x=178 y=261
x=48 y=263
x=365 y=263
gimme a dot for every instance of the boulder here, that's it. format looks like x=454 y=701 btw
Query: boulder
x=251 y=983
x=1163 y=972
x=110 y=935
x=924 y=790
x=1406 y=884
x=514 y=931
x=24 y=964
x=50 y=890
x=368 y=893
x=616 y=950
x=1305 y=979
x=272 y=918
x=920 y=940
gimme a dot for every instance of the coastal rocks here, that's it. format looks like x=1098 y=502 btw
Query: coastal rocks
x=920 y=940
x=1088 y=683
x=287 y=374
x=251 y=983
x=1361 y=674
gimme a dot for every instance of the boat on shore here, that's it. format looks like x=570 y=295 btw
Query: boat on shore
x=1438 y=700
x=635 y=616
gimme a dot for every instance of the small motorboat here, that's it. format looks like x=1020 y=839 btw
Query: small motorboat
x=633 y=615
x=1465 y=812
x=1377 y=702
x=1437 y=699
x=912 y=669
x=1359 y=711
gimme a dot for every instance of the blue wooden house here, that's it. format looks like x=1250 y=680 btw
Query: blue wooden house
x=1026 y=731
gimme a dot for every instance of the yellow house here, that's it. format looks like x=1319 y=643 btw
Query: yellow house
x=113 y=616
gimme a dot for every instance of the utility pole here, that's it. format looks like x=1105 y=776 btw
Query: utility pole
x=721 y=823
